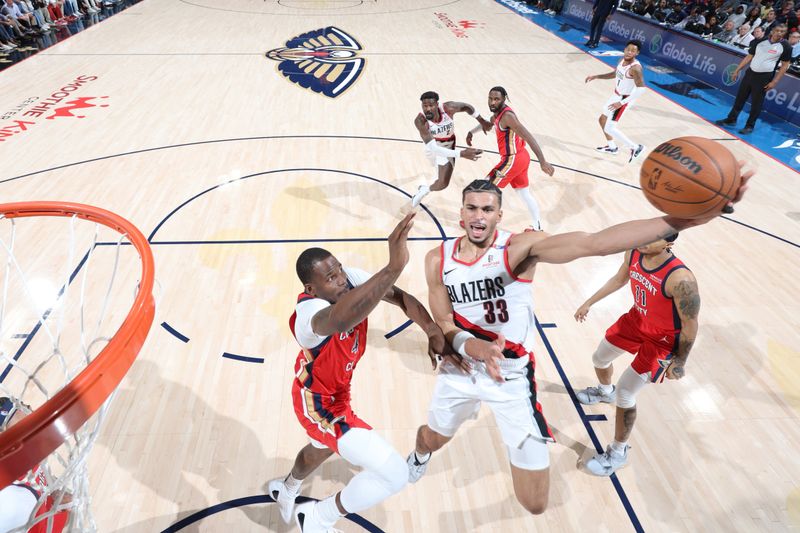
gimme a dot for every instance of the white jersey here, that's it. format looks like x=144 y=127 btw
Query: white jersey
x=625 y=82
x=444 y=131
x=487 y=299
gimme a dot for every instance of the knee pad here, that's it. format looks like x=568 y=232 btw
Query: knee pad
x=394 y=472
x=605 y=354
x=628 y=386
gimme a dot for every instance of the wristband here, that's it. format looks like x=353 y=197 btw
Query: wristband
x=476 y=113
x=460 y=341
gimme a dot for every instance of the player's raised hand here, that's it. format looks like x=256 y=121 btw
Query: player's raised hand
x=680 y=224
x=580 y=314
x=398 y=243
x=547 y=168
x=589 y=78
x=471 y=153
x=469 y=138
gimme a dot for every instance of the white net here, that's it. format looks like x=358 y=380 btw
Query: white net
x=67 y=286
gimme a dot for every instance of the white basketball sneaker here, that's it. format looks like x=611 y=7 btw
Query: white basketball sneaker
x=593 y=395
x=605 y=464
x=416 y=469
x=308 y=520
x=607 y=149
x=422 y=192
x=285 y=499
x=636 y=152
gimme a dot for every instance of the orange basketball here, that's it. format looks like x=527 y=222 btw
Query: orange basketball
x=690 y=177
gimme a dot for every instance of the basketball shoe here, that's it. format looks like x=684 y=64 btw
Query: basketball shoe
x=416 y=469
x=308 y=519
x=422 y=192
x=593 y=395
x=605 y=464
x=636 y=152
x=283 y=497
x=607 y=149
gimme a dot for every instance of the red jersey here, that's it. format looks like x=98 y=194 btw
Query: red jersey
x=653 y=308
x=508 y=142
x=327 y=369
x=55 y=524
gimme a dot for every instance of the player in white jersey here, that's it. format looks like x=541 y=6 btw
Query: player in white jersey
x=630 y=85
x=438 y=131
x=480 y=298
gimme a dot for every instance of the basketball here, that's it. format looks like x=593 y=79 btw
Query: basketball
x=690 y=177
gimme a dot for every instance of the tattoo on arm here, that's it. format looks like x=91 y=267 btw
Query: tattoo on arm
x=684 y=347
x=688 y=298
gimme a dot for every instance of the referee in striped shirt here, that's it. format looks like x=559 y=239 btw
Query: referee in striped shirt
x=762 y=75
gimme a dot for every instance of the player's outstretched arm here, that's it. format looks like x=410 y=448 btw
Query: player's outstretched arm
x=682 y=286
x=607 y=76
x=615 y=283
x=459 y=107
x=510 y=120
x=567 y=247
x=413 y=308
x=422 y=127
x=356 y=304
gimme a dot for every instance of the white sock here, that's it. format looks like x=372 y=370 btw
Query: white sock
x=611 y=144
x=328 y=511
x=422 y=459
x=292 y=484
x=532 y=205
x=619 y=447
x=605 y=388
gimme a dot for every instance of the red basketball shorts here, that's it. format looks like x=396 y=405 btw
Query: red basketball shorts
x=323 y=420
x=652 y=347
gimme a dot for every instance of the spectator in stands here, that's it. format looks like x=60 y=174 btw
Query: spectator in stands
x=644 y=8
x=677 y=14
x=727 y=32
x=694 y=22
x=762 y=75
x=757 y=33
x=661 y=12
x=7 y=42
x=738 y=16
x=794 y=42
x=766 y=5
x=753 y=17
x=787 y=16
x=768 y=21
x=710 y=27
x=743 y=37
x=12 y=10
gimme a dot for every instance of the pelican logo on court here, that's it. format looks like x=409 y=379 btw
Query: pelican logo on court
x=324 y=61
x=727 y=74
x=655 y=44
x=84 y=102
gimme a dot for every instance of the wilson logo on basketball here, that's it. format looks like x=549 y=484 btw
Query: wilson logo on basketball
x=324 y=61
x=674 y=152
x=57 y=105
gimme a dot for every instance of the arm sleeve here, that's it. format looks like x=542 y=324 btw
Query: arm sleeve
x=303 y=331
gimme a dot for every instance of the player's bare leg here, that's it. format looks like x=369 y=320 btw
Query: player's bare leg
x=444 y=173
x=285 y=490
x=611 y=146
x=428 y=441
x=532 y=488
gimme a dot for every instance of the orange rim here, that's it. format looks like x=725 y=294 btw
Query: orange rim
x=39 y=434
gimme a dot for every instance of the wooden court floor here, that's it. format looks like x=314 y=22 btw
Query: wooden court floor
x=174 y=117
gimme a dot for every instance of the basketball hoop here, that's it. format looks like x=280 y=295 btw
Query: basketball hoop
x=64 y=349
